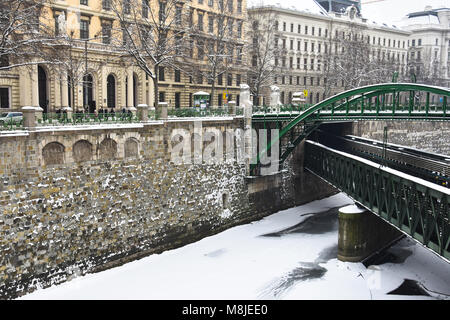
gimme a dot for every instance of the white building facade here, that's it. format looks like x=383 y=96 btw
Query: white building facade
x=307 y=39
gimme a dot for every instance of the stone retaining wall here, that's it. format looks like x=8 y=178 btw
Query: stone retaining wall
x=75 y=201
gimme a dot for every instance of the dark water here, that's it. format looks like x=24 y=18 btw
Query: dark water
x=410 y=288
x=327 y=221
x=391 y=255
x=317 y=223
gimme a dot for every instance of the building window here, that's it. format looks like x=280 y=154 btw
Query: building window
x=84 y=29
x=126 y=6
x=106 y=4
x=306 y=29
x=162 y=96
x=292 y=27
x=219 y=80
x=239 y=6
x=230 y=79
x=239 y=29
x=4 y=60
x=200 y=21
x=299 y=27
x=238 y=80
x=254 y=61
x=145 y=8
x=178 y=16
x=4 y=98
x=284 y=26
x=162 y=11
x=84 y=2
x=230 y=6
x=177 y=75
x=161 y=74
x=210 y=24
x=106 y=33
x=211 y=3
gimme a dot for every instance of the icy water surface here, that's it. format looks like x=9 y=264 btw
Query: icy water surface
x=288 y=255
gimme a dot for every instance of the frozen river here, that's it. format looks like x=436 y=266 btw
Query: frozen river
x=288 y=255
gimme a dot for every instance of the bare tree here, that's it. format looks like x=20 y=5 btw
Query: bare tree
x=153 y=34
x=224 y=48
x=264 y=51
x=425 y=67
x=352 y=62
x=22 y=33
x=69 y=56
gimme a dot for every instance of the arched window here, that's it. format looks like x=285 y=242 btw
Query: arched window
x=111 y=91
x=42 y=84
x=88 y=93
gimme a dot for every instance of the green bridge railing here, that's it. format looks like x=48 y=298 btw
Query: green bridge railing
x=416 y=207
x=374 y=102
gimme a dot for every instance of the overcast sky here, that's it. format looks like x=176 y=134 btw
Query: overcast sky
x=388 y=11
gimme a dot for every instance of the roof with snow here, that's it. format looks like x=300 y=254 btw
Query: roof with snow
x=308 y=6
x=395 y=11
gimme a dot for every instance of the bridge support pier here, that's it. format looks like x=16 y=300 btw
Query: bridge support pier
x=362 y=233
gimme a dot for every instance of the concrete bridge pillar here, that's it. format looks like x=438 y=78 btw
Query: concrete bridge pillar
x=362 y=233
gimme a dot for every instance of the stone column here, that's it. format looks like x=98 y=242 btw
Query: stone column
x=34 y=86
x=64 y=91
x=29 y=117
x=130 y=100
x=142 y=111
x=25 y=86
x=232 y=108
x=162 y=106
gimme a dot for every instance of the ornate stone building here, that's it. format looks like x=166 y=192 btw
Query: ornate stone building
x=109 y=81
x=308 y=38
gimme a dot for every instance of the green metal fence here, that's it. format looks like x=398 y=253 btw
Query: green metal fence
x=417 y=208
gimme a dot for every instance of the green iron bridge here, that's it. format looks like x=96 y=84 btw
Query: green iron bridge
x=374 y=102
x=417 y=207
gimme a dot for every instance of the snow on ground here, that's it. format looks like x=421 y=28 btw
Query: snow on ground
x=288 y=255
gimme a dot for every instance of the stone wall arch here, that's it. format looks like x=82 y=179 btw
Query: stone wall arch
x=131 y=148
x=53 y=153
x=82 y=151
x=107 y=149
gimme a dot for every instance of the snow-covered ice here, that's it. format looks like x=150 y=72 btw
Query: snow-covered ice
x=288 y=255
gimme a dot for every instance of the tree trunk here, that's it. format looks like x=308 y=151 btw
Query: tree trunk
x=156 y=88
x=213 y=90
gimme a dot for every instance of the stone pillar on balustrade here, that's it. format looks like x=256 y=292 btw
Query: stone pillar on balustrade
x=163 y=110
x=248 y=136
x=232 y=108
x=275 y=102
x=29 y=118
x=142 y=112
